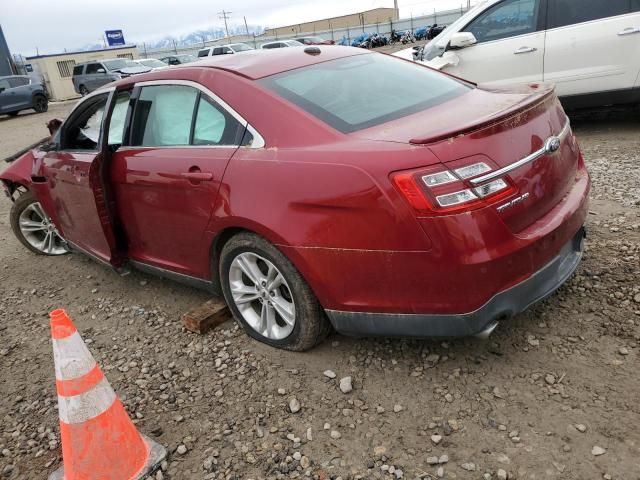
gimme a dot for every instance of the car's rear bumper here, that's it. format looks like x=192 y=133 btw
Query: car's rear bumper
x=502 y=306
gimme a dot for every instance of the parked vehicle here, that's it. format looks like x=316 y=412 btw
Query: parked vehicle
x=394 y=38
x=361 y=41
x=224 y=50
x=589 y=49
x=281 y=44
x=314 y=41
x=152 y=63
x=92 y=75
x=407 y=37
x=378 y=40
x=432 y=210
x=20 y=92
x=178 y=59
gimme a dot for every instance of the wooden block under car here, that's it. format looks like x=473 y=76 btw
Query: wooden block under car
x=206 y=317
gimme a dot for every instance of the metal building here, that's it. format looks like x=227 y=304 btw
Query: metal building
x=6 y=62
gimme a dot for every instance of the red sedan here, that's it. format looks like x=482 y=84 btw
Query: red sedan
x=414 y=204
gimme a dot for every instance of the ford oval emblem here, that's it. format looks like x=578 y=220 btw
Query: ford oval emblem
x=552 y=145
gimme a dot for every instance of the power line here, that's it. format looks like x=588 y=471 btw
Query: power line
x=225 y=15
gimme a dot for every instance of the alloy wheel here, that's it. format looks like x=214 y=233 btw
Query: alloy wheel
x=38 y=229
x=262 y=295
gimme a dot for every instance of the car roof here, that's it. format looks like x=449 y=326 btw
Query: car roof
x=257 y=64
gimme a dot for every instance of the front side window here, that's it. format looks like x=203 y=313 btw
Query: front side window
x=82 y=130
x=178 y=115
x=571 y=12
x=93 y=68
x=507 y=19
x=332 y=91
x=18 y=82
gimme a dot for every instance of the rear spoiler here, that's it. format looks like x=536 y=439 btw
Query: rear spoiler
x=540 y=93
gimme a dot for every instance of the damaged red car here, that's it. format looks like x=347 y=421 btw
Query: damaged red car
x=420 y=206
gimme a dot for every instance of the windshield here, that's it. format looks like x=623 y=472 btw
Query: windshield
x=152 y=62
x=362 y=91
x=119 y=63
x=185 y=58
x=240 y=47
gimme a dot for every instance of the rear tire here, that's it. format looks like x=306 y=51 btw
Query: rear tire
x=309 y=325
x=40 y=104
x=83 y=90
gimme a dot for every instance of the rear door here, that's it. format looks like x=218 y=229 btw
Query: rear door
x=510 y=46
x=70 y=188
x=7 y=98
x=167 y=174
x=592 y=45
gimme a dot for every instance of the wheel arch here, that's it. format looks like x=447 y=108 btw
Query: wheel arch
x=230 y=231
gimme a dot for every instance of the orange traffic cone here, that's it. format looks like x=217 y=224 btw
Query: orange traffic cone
x=99 y=441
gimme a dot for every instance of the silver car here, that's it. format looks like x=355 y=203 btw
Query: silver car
x=90 y=76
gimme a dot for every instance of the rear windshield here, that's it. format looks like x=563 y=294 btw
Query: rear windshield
x=362 y=91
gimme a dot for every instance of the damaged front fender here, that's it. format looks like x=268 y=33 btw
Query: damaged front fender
x=18 y=174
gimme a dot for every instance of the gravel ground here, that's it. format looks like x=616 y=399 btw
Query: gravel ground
x=553 y=394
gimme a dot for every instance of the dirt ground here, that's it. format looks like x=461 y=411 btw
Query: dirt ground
x=552 y=394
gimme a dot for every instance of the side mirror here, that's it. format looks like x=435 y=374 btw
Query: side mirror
x=462 y=40
x=101 y=70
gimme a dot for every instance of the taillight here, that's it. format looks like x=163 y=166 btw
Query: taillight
x=441 y=191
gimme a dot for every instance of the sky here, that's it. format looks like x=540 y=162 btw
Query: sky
x=53 y=25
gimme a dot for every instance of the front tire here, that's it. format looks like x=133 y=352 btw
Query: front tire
x=40 y=104
x=267 y=295
x=14 y=114
x=34 y=229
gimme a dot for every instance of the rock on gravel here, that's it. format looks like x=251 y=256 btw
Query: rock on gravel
x=345 y=385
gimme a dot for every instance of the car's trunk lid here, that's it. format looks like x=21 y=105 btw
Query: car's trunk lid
x=499 y=127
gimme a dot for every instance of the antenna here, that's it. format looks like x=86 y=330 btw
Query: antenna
x=225 y=16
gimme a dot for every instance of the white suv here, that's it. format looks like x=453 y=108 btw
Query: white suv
x=589 y=48
x=224 y=50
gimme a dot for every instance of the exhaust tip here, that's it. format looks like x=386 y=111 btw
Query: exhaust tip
x=486 y=333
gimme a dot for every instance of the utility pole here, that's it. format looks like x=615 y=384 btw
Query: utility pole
x=246 y=28
x=225 y=16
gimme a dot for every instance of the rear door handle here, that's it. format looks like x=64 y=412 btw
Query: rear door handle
x=629 y=31
x=522 y=50
x=197 y=176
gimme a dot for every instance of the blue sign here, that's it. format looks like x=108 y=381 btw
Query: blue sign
x=115 y=38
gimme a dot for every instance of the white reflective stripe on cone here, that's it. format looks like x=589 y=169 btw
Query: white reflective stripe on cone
x=72 y=358
x=88 y=405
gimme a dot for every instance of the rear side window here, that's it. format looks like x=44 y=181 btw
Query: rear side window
x=77 y=70
x=177 y=115
x=203 y=53
x=333 y=91
x=217 y=51
x=4 y=84
x=507 y=19
x=570 y=12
